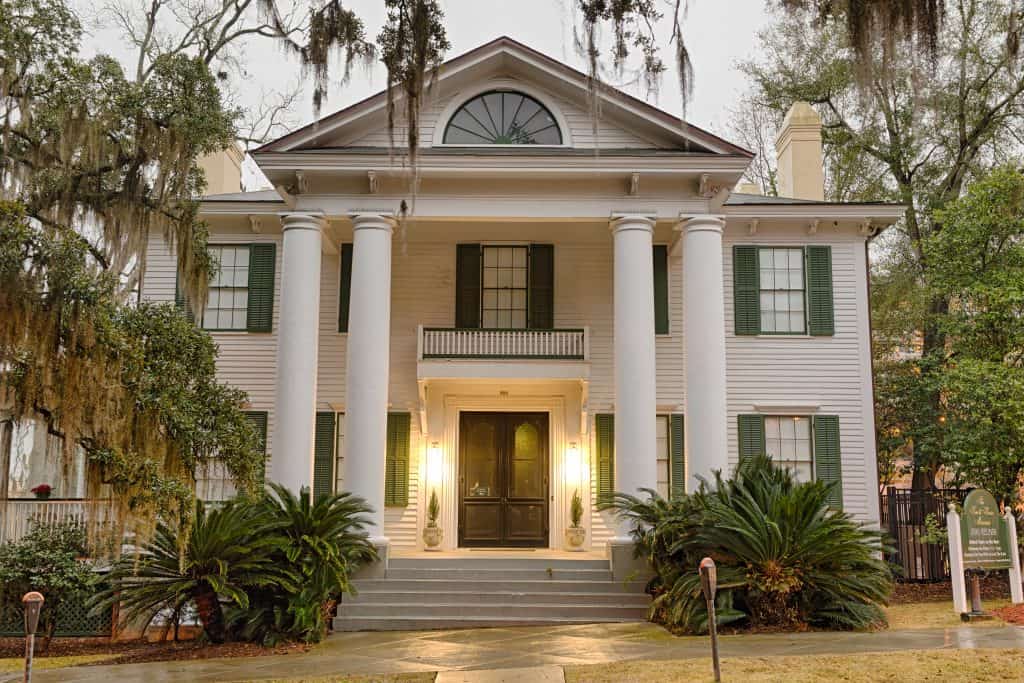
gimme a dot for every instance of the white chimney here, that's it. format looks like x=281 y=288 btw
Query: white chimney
x=223 y=170
x=798 y=151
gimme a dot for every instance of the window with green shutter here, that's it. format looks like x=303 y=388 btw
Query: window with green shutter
x=505 y=286
x=782 y=290
x=676 y=457
x=241 y=294
x=344 y=286
x=323 y=454
x=467 y=286
x=396 y=476
x=820 y=309
x=604 y=437
x=827 y=461
x=260 y=315
x=541 y=276
x=750 y=436
x=661 y=313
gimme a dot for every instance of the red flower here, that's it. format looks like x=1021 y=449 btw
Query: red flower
x=42 y=488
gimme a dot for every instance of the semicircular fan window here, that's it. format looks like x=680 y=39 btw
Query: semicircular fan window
x=503 y=117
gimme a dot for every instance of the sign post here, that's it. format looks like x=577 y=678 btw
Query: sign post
x=708 y=585
x=33 y=606
x=984 y=544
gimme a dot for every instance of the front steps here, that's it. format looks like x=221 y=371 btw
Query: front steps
x=471 y=592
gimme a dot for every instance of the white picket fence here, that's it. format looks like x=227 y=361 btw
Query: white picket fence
x=503 y=344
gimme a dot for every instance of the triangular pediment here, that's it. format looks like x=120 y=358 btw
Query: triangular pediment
x=622 y=122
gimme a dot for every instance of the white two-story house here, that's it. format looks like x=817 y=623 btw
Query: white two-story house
x=572 y=300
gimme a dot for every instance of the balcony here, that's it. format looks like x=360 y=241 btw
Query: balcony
x=483 y=353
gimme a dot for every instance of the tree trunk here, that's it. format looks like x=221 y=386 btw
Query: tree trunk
x=211 y=615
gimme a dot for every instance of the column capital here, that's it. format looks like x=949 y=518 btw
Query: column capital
x=302 y=220
x=632 y=221
x=701 y=223
x=372 y=220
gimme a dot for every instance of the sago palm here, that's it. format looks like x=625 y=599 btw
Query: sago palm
x=225 y=552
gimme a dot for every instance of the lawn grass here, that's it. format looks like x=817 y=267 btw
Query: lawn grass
x=978 y=666
x=936 y=615
x=14 y=664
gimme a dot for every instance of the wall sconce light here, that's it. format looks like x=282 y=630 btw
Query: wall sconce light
x=435 y=464
x=573 y=464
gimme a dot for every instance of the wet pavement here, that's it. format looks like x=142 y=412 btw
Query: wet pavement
x=509 y=648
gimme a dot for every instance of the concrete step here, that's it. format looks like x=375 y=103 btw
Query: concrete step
x=545 y=585
x=494 y=596
x=485 y=562
x=433 y=623
x=501 y=610
x=471 y=573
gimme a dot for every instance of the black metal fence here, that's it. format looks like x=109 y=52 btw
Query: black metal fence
x=904 y=512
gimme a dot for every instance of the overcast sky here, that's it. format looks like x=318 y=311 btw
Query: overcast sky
x=718 y=32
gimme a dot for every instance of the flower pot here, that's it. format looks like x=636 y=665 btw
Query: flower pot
x=42 y=496
x=432 y=536
x=575 y=537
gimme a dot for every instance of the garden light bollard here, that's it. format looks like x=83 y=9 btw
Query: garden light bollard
x=709 y=584
x=33 y=606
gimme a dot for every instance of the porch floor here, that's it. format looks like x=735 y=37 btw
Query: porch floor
x=499 y=553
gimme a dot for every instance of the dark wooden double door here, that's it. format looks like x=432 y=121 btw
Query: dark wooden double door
x=503 y=480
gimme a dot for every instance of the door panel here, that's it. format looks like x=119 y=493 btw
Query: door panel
x=503 y=479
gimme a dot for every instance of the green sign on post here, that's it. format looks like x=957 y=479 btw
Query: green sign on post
x=983 y=530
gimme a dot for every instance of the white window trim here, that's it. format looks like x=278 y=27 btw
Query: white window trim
x=463 y=96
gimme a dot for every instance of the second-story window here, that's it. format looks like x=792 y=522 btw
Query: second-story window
x=228 y=303
x=781 y=271
x=505 y=277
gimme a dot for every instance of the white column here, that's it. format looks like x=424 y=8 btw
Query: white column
x=291 y=460
x=956 y=560
x=704 y=345
x=635 y=384
x=369 y=337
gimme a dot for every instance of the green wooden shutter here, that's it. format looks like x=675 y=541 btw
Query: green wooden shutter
x=258 y=419
x=746 y=294
x=467 y=286
x=344 y=287
x=261 y=287
x=323 y=455
x=541 y=303
x=661 y=322
x=820 y=313
x=604 y=427
x=751 y=436
x=179 y=298
x=827 y=462
x=396 y=476
x=677 y=457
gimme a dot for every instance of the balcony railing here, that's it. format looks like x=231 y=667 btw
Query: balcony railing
x=19 y=512
x=454 y=343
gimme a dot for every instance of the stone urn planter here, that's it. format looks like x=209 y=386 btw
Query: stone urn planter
x=432 y=537
x=575 y=536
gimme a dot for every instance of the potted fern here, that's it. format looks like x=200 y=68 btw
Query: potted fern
x=432 y=533
x=575 y=535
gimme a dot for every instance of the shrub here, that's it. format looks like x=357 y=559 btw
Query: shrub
x=46 y=559
x=785 y=559
x=575 y=510
x=226 y=552
x=323 y=542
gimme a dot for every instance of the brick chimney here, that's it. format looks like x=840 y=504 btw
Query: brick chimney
x=798 y=151
x=223 y=170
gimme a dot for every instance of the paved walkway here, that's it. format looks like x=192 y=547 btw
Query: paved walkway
x=508 y=648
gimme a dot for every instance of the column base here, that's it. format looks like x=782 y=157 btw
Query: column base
x=625 y=565
x=379 y=568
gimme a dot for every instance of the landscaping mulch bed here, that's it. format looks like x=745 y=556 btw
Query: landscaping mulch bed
x=1011 y=614
x=993 y=587
x=126 y=652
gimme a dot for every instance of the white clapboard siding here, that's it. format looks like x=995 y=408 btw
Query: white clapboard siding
x=828 y=372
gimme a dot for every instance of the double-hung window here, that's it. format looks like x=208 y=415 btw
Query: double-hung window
x=781 y=284
x=227 y=306
x=505 y=286
x=787 y=441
